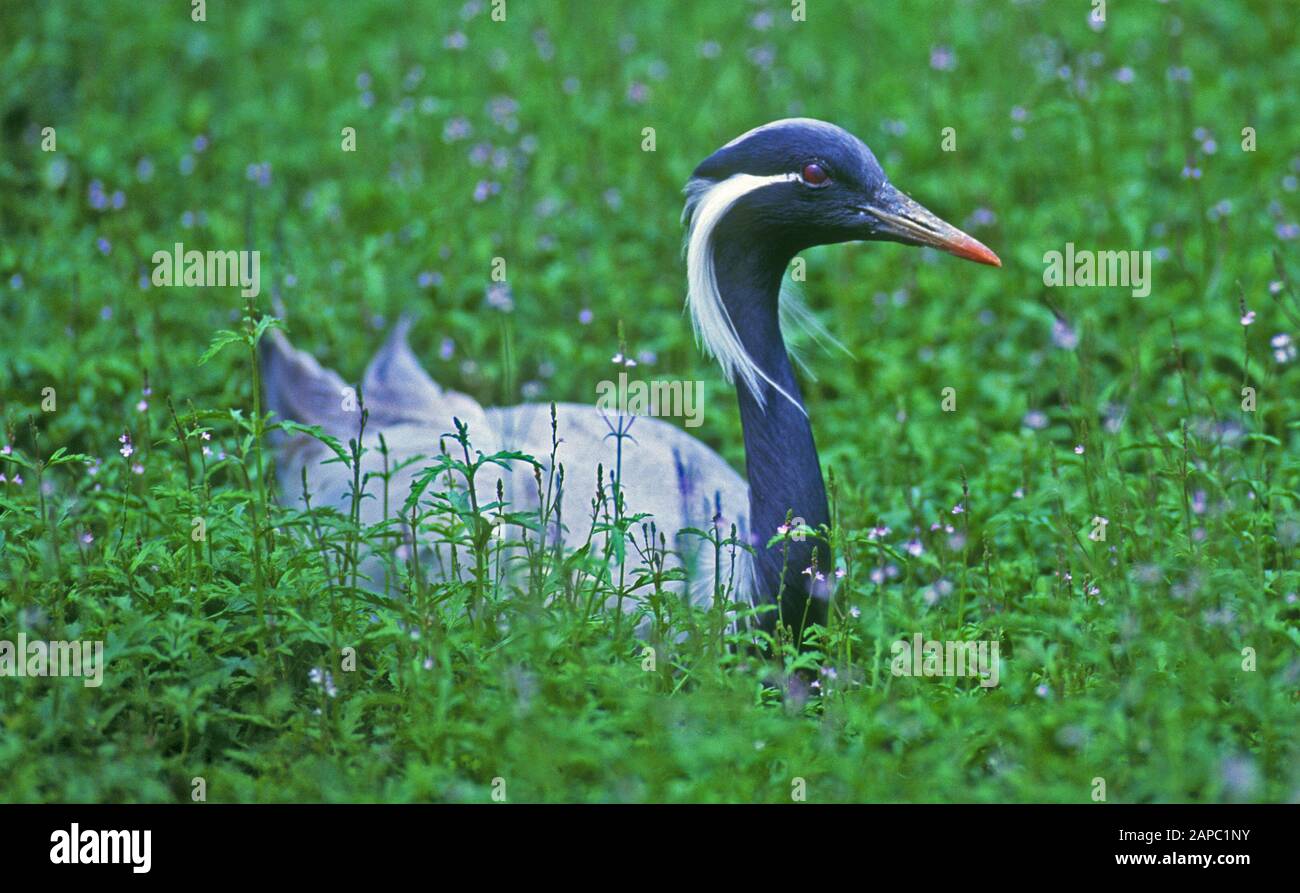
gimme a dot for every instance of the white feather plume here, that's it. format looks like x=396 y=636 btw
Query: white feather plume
x=707 y=202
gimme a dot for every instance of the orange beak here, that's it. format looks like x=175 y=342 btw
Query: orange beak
x=903 y=220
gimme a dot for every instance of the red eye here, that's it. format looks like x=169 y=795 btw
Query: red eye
x=814 y=174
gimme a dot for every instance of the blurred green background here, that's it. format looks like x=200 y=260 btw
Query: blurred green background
x=523 y=139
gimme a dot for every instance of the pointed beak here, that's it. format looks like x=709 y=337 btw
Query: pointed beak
x=899 y=219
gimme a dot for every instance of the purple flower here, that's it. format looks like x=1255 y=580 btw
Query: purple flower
x=1284 y=350
x=1063 y=336
x=259 y=173
x=95 y=195
x=1035 y=420
x=942 y=58
x=500 y=297
x=456 y=129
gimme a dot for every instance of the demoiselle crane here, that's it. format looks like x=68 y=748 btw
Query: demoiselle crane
x=751 y=207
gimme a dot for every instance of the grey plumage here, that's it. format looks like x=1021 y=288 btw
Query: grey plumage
x=666 y=473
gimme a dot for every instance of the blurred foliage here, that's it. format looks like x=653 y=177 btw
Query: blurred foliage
x=523 y=139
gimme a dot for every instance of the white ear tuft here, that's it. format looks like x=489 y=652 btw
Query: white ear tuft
x=707 y=202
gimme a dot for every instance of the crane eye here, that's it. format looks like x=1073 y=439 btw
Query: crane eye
x=814 y=174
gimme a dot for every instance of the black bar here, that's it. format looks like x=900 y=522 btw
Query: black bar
x=301 y=842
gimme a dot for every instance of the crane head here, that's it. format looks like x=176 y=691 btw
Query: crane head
x=803 y=182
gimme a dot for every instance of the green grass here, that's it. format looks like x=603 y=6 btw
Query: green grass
x=211 y=644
